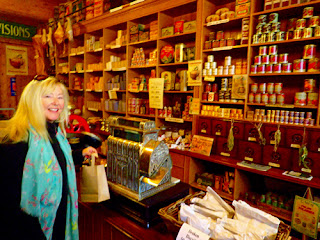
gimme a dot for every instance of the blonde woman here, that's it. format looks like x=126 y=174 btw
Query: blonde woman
x=37 y=177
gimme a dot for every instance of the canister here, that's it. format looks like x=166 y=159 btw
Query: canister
x=214 y=87
x=278 y=88
x=257 y=98
x=269 y=68
x=220 y=70
x=220 y=35
x=299 y=65
x=273 y=17
x=309 y=85
x=258 y=60
x=309 y=51
x=313 y=65
x=273 y=59
x=230 y=42
x=292 y=24
x=307 y=32
x=261 y=68
x=280 y=98
x=254 y=87
x=205 y=96
x=277 y=68
x=265 y=59
x=289 y=35
x=207 y=65
x=307 y=12
x=301 y=23
x=275 y=27
x=270 y=88
x=263 y=50
x=313 y=99
x=255 y=38
x=266 y=28
x=213 y=64
x=280 y=36
x=272 y=98
x=271 y=36
x=300 y=98
x=226 y=70
x=262 y=87
x=224 y=84
x=227 y=60
x=262 y=19
x=286 y=67
x=210 y=58
x=314 y=21
x=222 y=43
x=273 y=50
x=215 y=43
x=265 y=98
x=283 y=58
x=297 y=34
x=317 y=31
x=254 y=69
x=205 y=72
x=232 y=69
x=208 y=87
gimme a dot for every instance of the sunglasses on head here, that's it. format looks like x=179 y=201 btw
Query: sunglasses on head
x=40 y=77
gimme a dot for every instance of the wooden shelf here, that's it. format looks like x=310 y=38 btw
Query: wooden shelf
x=178 y=36
x=227 y=48
x=173 y=92
x=145 y=66
x=291 y=41
x=282 y=106
x=227 y=23
x=141 y=115
x=221 y=193
x=284 y=74
x=117 y=112
x=147 y=43
x=173 y=64
x=218 y=102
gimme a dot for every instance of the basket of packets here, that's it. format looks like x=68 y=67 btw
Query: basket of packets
x=209 y=213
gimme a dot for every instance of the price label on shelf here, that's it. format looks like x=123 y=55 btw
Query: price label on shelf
x=217 y=22
x=188 y=232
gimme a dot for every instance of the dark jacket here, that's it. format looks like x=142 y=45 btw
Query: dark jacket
x=14 y=223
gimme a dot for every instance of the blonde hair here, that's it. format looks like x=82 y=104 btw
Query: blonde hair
x=30 y=112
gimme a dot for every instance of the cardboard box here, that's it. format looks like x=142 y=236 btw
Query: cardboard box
x=167 y=31
x=133 y=29
x=134 y=38
x=238 y=2
x=143 y=36
x=243 y=10
x=189 y=26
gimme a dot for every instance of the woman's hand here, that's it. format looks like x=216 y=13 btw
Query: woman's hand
x=89 y=151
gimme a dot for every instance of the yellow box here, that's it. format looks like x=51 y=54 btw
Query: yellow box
x=243 y=10
x=167 y=31
x=189 y=26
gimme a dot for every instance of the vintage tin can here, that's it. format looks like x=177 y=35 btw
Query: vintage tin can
x=283 y=58
x=314 y=65
x=278 y=88
x=213 y=64
x=309 y=85
x=280 y=36
x=220 y=35
x=232 y=69
x=220 y=70
x=265 y=59
x=269 y=68
x=300 y=98
x=309 y=115
x=263 y=38
x=307 y=32
x=307 y=12
x=317 y=31
x=230 y=42
x=207 y=65
x=286 y=67
x=215 y=43
x=273 y=59
x=263 y=50
x=314 y=21
x=257 y=98
x=222 y=42
x=270 y=88
x=258 y=60
x=214 y=87
x=297 y=34
x=309 y=51
x=262 y=87
x=313 y=99
x=301 y=23
x=275 y=27
x=227 y=60
x=273 y=50
x=208 y=87
x=226 y=70
x=261 y=68
x=262 y=19
x=254 y=87
x=255 y=38
x=251 y=97
x=178 y=26
x=210 y=58
x=273 y=17
x=207 y=44
x=292 y=24
x=254 y=69
x=271 y=36
x=205 y=96
x=299 y=65
x=272 y=98
x=265 y=98
x=277 y=68
x=224 y=84
x=280 y=98
x=289 y=35
x=266 y=28
x=204 y=72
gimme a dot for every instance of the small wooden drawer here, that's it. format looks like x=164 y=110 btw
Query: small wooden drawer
x=312 y=161
x=219 y=128
x=250 y=151
x=279 y=159
x=222 y=147
x=314 y=143
x=251 y=133
x=177 y=159
x=294 y=137
x=269 y=132
x=204 y=127
x=178 y=172
x=238 y=130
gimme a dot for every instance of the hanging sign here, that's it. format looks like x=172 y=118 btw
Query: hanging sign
x=156 y=86
x=305 y=216
x=17 y=31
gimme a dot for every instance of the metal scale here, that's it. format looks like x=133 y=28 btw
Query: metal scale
x=138 y=166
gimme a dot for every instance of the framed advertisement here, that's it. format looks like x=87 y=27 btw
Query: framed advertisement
x=16 y=60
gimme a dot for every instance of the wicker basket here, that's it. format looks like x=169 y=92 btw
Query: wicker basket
x=170 y=216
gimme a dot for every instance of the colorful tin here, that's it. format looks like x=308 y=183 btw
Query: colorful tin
x=299 y=65
x=309 y=51
x=314 y=65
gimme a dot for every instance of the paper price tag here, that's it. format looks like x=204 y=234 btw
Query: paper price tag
x=191 y=233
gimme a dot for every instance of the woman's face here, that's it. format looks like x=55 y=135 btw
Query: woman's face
x=53 y=104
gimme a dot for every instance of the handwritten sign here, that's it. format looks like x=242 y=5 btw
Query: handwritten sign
x=191 y=233
x=156 y=86
x=305 y=216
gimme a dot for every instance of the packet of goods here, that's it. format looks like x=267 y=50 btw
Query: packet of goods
x=196 y=220
x=260 y=222
x=208 y=213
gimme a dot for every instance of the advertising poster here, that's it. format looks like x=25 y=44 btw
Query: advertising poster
x=238 y=90
x=305 y=216
x=195 y=73
x=17 y=60
x=156 y=86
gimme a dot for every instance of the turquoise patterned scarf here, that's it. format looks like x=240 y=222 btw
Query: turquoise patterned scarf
x=42 y=185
